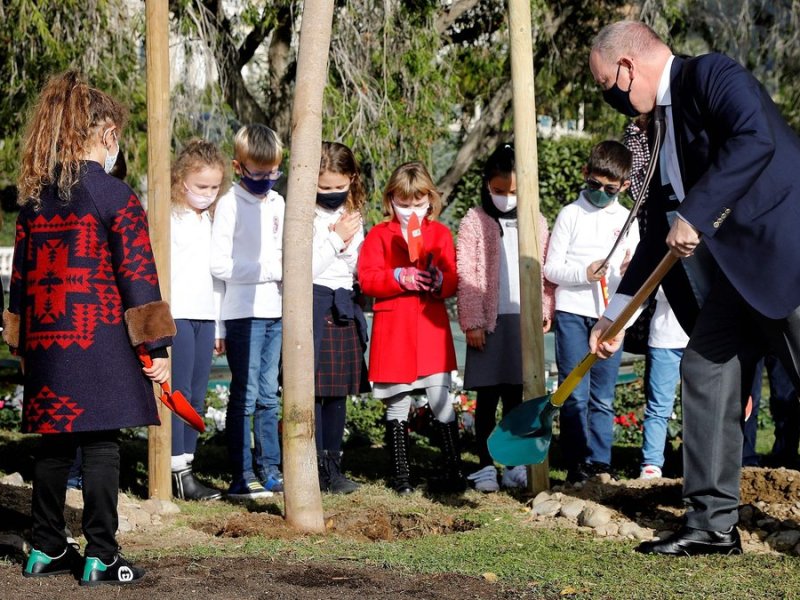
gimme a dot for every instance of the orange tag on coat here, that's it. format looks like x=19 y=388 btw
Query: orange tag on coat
x=415 y=244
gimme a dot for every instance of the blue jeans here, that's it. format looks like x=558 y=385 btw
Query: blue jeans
x=254 y=351
x=587 y=417
x=785 y=413
x=663 y=373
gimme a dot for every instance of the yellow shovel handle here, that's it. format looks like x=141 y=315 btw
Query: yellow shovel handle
x=573 y=379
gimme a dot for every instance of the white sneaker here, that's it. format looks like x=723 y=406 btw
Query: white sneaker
x=485 y=479
x=650 y=472
x=515 y=477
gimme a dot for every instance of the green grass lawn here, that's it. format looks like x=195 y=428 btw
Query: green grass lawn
x=7 y=229
x=555 y=562
x=547 y=562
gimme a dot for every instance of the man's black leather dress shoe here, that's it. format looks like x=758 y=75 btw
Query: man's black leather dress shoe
x=691 y=542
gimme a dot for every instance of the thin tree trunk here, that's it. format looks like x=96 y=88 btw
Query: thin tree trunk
x=530 y=259
x=302 y=494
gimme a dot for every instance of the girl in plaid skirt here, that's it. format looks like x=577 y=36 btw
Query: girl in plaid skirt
x=340 y=330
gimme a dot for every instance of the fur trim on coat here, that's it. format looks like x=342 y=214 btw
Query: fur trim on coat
x=478 y=255
x=149 y=323
x=11 y=329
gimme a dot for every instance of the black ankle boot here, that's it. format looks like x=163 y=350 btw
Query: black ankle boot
x=451 y=481
x=186 y=487
x=322 y=470
x=397 y=444
x=337 y=482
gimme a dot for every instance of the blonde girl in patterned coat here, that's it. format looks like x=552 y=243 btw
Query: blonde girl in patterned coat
x=488 y=308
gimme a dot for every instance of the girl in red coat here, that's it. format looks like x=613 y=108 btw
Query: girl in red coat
x=408 y=264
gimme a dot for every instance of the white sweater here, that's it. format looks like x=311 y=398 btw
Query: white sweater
x=192 y=287
x=581 y=235
x=665 y=331
x=333 y=265
x=247 y=253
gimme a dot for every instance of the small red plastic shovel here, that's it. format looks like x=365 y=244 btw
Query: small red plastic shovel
x=175 y=401
x=415 y=241
x=604 y=290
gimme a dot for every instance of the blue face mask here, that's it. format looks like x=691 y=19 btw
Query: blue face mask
x=332 y=200
x=600 y=198
x=257 y=187
x=619 y=99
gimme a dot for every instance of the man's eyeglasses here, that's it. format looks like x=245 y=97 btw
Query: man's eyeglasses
x=271 y=175
x=610 y=189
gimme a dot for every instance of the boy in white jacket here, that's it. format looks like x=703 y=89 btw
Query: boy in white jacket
x=582 y=237
x=246 y=253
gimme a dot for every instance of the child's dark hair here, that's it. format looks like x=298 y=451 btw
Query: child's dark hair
x=610 y=159
x=338 y=158
x=501 y=163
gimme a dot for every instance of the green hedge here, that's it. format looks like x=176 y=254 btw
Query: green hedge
x=560 y=179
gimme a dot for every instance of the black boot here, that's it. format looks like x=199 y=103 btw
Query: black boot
x=397 y=444
x=322 y=470
x=452 y=479
x=337 y=482
x=186 y=487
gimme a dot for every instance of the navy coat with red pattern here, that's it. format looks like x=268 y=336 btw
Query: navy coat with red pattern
x=78 y=266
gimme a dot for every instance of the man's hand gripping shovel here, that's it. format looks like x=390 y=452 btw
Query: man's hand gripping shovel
x=175 y=401
x=523 y=436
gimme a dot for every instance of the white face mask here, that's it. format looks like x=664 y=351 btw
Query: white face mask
x=504 y=203
x=111 y=159
x=403 y=213
x=198 y=201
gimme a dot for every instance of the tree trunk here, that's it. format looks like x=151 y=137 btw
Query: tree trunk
x=302 y=494
x=530 y=259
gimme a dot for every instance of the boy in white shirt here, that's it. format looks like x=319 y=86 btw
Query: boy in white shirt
x=246 y=253
x=582 y=236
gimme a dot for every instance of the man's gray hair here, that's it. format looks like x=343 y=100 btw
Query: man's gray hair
x=632 y=37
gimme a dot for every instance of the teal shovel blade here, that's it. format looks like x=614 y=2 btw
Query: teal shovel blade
x=523 y=436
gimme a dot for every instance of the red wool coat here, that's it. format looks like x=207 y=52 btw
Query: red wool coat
x=411 y=335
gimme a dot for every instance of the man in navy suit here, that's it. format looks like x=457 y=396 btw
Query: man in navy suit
x=729 y=176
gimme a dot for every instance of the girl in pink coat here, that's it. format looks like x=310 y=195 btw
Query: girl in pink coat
x=488 y=308
x=408 y=264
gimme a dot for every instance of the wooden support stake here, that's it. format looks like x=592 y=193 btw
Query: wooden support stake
x=530 y=259
x=158 y=213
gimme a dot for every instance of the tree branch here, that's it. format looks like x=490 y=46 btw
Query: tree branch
x=452 y=13
x=484 y=136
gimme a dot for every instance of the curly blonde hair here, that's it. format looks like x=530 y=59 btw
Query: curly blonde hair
x=338 y=158
x=196 y=155
x=56 y=140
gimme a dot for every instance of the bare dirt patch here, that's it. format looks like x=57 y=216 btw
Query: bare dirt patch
x=364 y=524
x=266 y=578
x=769 y=523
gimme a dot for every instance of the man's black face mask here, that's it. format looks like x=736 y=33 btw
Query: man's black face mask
x=620 y=100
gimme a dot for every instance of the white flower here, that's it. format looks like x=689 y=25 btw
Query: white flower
x=223 y=392
x=456 y=382
x=217 y=418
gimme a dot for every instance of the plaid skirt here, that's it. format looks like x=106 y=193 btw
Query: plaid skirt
x=341 y=370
